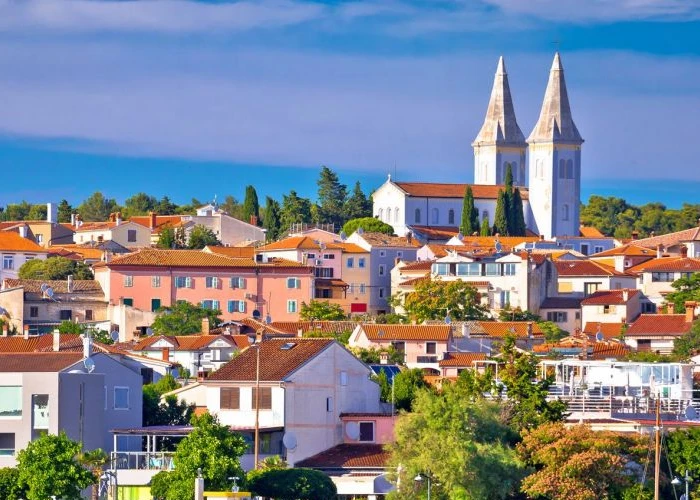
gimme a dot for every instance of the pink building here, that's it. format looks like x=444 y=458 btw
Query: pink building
x=239 y=287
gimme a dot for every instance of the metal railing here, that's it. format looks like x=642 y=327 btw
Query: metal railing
x=159 y=460
x=427 y=359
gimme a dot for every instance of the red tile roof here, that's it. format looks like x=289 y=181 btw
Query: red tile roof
x=161 y=221
x=191 y=342
x=609 y=330
x=292 y=243
x=349 y=456
x=384 y=240
x=442 y=190
x=650 y=325
x=585 y=268
x=351 y=248
x=422 y=265
x=192 y=258
x=502 y=328
x=18 y=343
x=670 y=239
x=13 y=242
x=590 y=232
x=668 y=264
x=38 y=362
x=276 y=363
x=237 y=252
x=331 y=327
x=461 y=359
x=414 y=281
x=609 y=297
x=58 y=286
x=379 y=332
x=605 y=350
x=630 y=250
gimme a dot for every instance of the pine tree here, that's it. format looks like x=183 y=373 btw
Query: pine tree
x=485 y=227
x=357 y=206
x=271 y=221
x=251 y=207
x=519 y=226
x=294 y=210
x=331 y=198
x=64 y=211
x=500 y=219
x=470 y=215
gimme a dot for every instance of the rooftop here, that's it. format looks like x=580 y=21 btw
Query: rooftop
x=349 y=456
x=379 y=332
x=13 y=242
x=461 y=359
x=584 y=268
x=659 y=325
x=610 y=297
x=58 y=286
x=192 y=258
x=36 y=362
x=444 y=190
x=191 y=342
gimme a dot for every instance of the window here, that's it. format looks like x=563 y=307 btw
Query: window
x=509 y=269
x=311 y=256
x=367 y=431
x=565 y=287
x=361 y=262
x=65 y=314
x=382 y=269
x=40 y=238
x=265 y=398
x=381 y=293
x=211 y=304
x=128 y=301
x=430 y=348
x=388 y=215
x=451 y=216
x=211 y=282
x=10 y=401
x=562 y=169
x=237 y=282
x=40 y=411
x=350 y=262
x=399 y=254
x=329 y=404
x=381 y=214
x=505 y=298
x=183 y=282
x=155 y=281
x=382 y=253
x=584 y=248
x=293 y=283
x=8 y=262
x=417 y=216
x=236 y=306
x=597 y=249
x=589 y=288
x=493 y=269
x=557 y=316
x=363 y=289
x=155 y=305
x=343 y=378
x=33 y=312
x=484 y=215
x=569 y=169
x=609 y=309
x=88 y=314
x=291 y=306
x=323 y=272
x=469 y=269
x=128 y=281
x=329 y=256
x=230 y=398
x=121 y=398
x=662 y=276
x=441 y=269
x=565 y=212
x=396 y=214
x=7 y=444
x=435 y=216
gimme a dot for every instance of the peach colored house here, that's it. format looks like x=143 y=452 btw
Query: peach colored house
x=423 y=345
x=239 y=287
x=455 y=363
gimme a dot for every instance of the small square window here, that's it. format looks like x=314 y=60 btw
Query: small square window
x=291 y=306
x=128 y=281
x=88 y=315
x=382 y=253
x=367 y=431
x=65 y=314
x=33 y=312
x=329 y=404
x=121 y=398
x=155 y=281
x=131 y=236
x=350 y=262
x=382 y=270
x=361 y=262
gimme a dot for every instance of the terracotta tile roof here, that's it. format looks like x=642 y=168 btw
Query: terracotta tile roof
x=561 y=303
x=349 y=456
x=422 y=265
x=276 y=363
x=75 y=252
x=18 y=343
x=584 y=268
x=351 y=248
x=331 y=327
x=192 y=258
x=96 y=226
x=384 y=240
x=162 y=221
x=590 y=232
x=263 y=328
x=415 y=281
x=609 y=297
x=630 y=250
x=13 y=242
x=659 y=325
x=190 y=342
x=435 y=232
x=502 y=328
x=441 y=190
x=330 y=282
x=609 y=330
x=379 y=332
x=291 y=243
x=237 y=252
x=605 y=350
x=459 y=359
x=38 y=362
x=670 y=239
x=668 y=264
x=58 y=286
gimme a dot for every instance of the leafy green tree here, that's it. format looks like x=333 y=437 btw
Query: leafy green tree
x=171 y=412
x=435 y=299
x=201 y=236
x=171 y=238
x=251 y=206
x=517 y=214
x=49 y=466
x=16 y=211
x=357 y=205
x=683 y=446
x=37 y=212
x=55 y=268
x=292 y=484
x=97 y=208
x=64 y=211
x=331 y=198
x=500 y=220
x=372 y=355
x=470 y=215
x=139 y=204
x=685 y=289
x=485 y=227
x=10 y=486
x=321 y=310
x=517 y=314
x=211 y=447
x=368 y=224
x=165 y=207
x=552 y=332
x=94 y=461
x=602 y=213
x=407 y=384
x=460 y=444
x=688 y=344
x=232 y=207
x=271 y=220
x=294 y=210
x=184 y=318
x=508 y=203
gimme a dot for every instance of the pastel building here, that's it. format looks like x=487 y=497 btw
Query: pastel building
x=15 y=250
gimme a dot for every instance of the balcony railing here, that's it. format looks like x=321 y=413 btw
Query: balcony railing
x=427 y=359
x=160 y=460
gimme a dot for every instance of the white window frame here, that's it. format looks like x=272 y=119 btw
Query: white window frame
x=8 y=262
x=128 y=397
x=128 y=281
x=211 y=282
x=155 y=281
x=292 y=306
x=296 y=281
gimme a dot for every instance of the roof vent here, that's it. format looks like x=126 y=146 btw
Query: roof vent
x=288 y=346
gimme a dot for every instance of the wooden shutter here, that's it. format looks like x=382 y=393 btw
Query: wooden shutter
x=265 y=398
x=230 y=398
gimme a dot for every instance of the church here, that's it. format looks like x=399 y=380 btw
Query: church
x=546 y=166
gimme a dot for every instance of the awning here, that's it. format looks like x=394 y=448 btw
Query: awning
x=331 y=283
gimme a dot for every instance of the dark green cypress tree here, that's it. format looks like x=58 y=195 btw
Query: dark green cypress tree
x=271 y=220
x=500 y=219
x=519 y=226
x=508 y=202
x=470 y=215
x=251 y=206
x=485 y=227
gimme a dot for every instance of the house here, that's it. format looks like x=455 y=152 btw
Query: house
x=656 y=332
x=685 y=243
x=624 y=257
x=239 y=287
x=126 y=233
x=564 y=311
x=423 y=346
x=302 y=386
x=454 y=363
x=613 y=306
x=15 y=250
x=159 y=223
x=606 y=330
x=655 y=277
x=482 y=245
x=356 y=272
x=43 y=305
x=228 y=230
x=580 y=278
x=384 y=251
x=44 y=232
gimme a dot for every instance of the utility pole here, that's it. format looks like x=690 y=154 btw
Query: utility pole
x=657 y=449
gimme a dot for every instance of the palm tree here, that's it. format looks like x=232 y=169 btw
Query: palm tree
x=94 y=461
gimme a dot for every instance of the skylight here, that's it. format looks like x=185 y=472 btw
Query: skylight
x=288 y=346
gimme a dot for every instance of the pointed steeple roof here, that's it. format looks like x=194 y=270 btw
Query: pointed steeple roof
x=556 y=123
x=500 y=125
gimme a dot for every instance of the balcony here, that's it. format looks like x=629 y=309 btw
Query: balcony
x=427 y=359
x=143 y=460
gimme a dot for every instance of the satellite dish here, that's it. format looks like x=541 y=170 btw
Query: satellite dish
x=289 y=440
x=114 y=335
x=149 y=331
x=256 y=314
x=322 y=246
x=268 y=319
x=49 y=292
x=44 y=287
x=448 y=320
x=691 y=413
x=498 y=246
x=352 y=430
x=89 y=365
x=2 y=311
x=599 y=337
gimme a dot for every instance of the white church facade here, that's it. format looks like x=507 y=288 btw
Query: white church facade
x=546 y=167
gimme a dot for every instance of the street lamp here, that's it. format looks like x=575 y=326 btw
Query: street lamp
x=687 y=480
x=235 y=487
x=419 y=480
x=107 y=478
x=256 y=440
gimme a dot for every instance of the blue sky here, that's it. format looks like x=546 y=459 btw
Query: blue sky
x=193 y=99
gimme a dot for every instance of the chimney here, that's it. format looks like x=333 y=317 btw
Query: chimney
x=670 y=308
x=118 y=218
x=72 y=220
x=541 y=237
x=23 y=231
x=409 y=237
x=205 y=326
x=4 y=330
x=300 y=332
x=152 y=220
x=684 y=251
x=70 y=283
x=253 y=220
x=56 y=340
x=383 y=358
x=165 y=354
x=26 y=332
x=690 y=311
x=625 y=295
x=529 y=329
x=87 y=345
x=659 y=251
x=635 y=235
x=466 y=332
x=51 y=212
x=111 y=217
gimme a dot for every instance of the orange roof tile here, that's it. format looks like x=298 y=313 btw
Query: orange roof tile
x=630 y=250
x=415 y=281
x=384 y=240
x=609 y=297
x=609 y=330
x=351 y=248
x=379 y=332
x=584 y=268
x=649 y=325
x=422 y=265
x=442 y=190
x=605 y=350
x=81 y=252
x=332 y=327
x=237 y=252
x=590 y=232
x=670 y=239
x=192 y=258
x=276 y=363
x=502 y=328
x=349 y=456
x=162 y=221
x=188 y=342
x=13 y=242
x=668 y=264
x=44 y=362
x=459 y=359
x=292 y=243
x=58 y=286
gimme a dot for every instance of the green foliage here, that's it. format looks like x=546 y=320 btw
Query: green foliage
x=294 y=210
x=10 y=487
x=434 y=299
x=390 y=319
x=342 y=337
x=357 y=205
x=321 y=310
x=184 y=318
x=211 y=447
x=55 y=268
x=331 y=198
x=688 y=344
x=271 y=220
x=369 y=224
x=171 y=238
x=293 y=484
x=470 y=215
x=16 y=211
x=200 y=237
x=649 y=357
x=500 y=219
x=517 y=214
x=97 y=207
x=70 y=327
x=64 y=211
x=685 y=289
x=683 y=446
x=552 y=331
x=139 y=204
x=517 y=314
x=461 y=444
x=485 y=227
x=251 y=206
x=170 y=412
x=407 y=384
x=372 y=355
x=37 y=212
x=165 y=207
x=49 y=466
